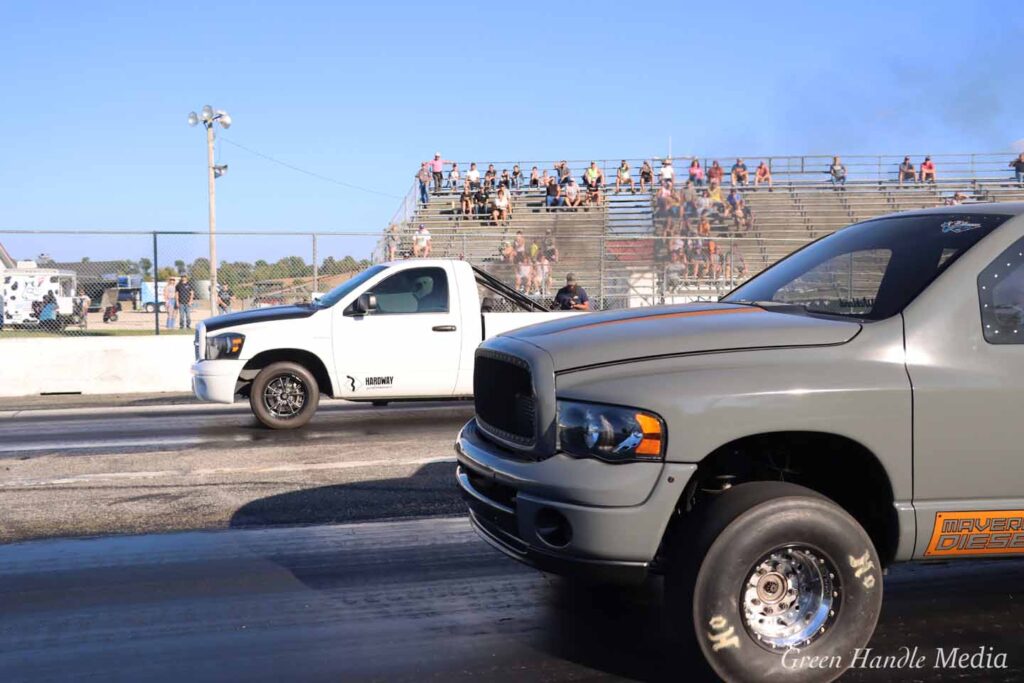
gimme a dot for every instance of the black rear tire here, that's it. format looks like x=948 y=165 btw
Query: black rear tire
x=728 y=555
x=284 y=395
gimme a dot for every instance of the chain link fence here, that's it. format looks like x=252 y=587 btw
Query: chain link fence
x=129 y=283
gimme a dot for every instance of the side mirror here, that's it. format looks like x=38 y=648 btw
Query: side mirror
x=364 y=304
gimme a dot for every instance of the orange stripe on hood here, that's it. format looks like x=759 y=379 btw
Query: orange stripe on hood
x=662 y=316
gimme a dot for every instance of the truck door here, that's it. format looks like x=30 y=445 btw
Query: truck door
x=965 y=358
x=408 y=346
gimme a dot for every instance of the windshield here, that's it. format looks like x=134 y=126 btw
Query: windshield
x=338 y=293
x=869 y=270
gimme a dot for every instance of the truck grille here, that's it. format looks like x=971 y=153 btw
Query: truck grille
x=505 y=402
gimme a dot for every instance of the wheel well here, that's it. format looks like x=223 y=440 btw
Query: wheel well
x=306 y=359
x=835 y=466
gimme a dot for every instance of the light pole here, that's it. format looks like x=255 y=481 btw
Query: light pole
x=208 y=116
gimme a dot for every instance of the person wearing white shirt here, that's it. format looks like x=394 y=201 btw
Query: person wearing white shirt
x=421 y=242
x=473 y=177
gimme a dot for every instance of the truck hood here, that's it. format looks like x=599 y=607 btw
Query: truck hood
x=640 y=334
x=258 y=315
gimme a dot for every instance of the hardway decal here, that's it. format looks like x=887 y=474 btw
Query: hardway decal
x=377 y=382
x=978 y=532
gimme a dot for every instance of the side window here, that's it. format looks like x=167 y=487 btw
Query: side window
x=416 y=290
x=1001 y=295
x=846 y=284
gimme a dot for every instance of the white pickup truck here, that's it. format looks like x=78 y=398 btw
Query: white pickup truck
x=396 y=331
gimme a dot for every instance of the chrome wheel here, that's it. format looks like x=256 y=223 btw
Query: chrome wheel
x=790 y=598
x=285 y=396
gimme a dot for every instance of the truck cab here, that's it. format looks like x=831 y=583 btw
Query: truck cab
x=405 y=330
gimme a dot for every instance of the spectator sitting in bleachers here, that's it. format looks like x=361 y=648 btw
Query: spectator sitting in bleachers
x=473 y=177
x=563 y=172
x=490 y=177
x=763 y=174
x=594 y=179
x=702 y=205
x=481 y=198
x=663 y=201
x=506 y=179
x=453 y=177
x=546 y=178
x=534 y=177
x=734 y=200
x=696 y=174
x=623 y=177
x=738 y=173
x=573 y=198
x=927 y=170
x=837 y=173
x=957 y=199
x=714 y=195
x=517 y=178
x=647 y=177
x=907 y=171
x=553 y=198
x=716 y=173
x=704 y=227
x=466 y=200
x=502 y=210
x=667 y=174
x=421 y=242
x=688 y=197
x=1018 y=168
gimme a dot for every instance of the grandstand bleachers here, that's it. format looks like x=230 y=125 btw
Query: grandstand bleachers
x=611 y=247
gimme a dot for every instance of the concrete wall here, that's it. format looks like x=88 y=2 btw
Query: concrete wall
x=95 y=365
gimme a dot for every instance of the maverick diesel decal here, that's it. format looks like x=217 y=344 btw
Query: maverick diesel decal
x=979 y=532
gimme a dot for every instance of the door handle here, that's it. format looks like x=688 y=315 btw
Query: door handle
x=444 y=328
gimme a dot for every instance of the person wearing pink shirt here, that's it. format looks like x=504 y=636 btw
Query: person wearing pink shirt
x=696 y=174
x=437 y=170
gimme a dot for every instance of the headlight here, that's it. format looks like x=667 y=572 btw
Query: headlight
x=224 y=346
x=610 y=433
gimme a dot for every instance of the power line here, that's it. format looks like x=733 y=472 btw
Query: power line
x=309 y=173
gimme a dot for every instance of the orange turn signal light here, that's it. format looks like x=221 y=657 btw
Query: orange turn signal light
x=652 y=441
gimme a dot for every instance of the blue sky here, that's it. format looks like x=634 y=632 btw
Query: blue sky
x=93 y=132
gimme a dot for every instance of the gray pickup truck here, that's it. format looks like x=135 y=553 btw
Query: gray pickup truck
x=770 y=454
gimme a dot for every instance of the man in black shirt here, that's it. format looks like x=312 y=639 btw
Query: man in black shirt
x=186 y=296
x=572 y=297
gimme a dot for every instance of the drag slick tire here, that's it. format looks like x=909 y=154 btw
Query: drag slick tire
x=767 y=569
x=284 y=395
